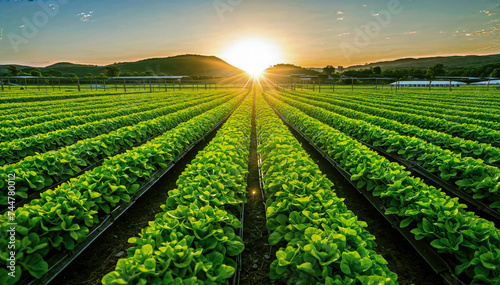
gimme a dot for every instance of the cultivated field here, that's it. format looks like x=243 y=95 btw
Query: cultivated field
x=298 y=187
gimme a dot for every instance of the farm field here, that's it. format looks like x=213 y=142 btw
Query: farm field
x=250 y=186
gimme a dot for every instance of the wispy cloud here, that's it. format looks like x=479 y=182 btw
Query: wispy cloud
x=483 y=31
x=340 y=19
x=1 y=33
x=410 y=33
x=489 y=13
x=86 y=17
x=340 y=13
x=343 y=34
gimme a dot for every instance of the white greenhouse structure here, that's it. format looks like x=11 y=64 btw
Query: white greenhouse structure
x=487 y=82
x=427 y=83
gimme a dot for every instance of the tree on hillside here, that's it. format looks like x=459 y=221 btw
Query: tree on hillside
x=35 y=72
x=102 y=76
x=377 y=70
x=89 y=75
x=436 y=70
x=13 y=70
x=149 y=73
x=112 y=71
x=495 y=73
x=71 y=75
x=328 y=70
x=418 y=73
x=52 y=73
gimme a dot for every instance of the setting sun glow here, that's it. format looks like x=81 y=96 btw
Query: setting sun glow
x=252 y=55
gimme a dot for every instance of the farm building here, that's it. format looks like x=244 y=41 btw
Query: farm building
x=426 y=83
x=487 y=82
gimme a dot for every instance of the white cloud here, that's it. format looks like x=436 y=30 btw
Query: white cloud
x=86 y=17
x=340 y=19
x=1 y=33
x=343 y=34
x=483 y=31
x=487 y=12
x=340 y=13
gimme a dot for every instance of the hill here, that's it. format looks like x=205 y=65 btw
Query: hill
x=183 y=65
x=175 y=65
x=425 y=62
x=289 y=69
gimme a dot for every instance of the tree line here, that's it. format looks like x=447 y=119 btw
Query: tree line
x=484 y=71
x=111 y=71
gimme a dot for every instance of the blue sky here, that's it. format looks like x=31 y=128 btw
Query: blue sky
x=309 y=33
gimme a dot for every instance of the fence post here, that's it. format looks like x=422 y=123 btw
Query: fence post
x=125 y=85
x=78 y=82
x=150 y=87
x=352 y=84
x=2 y=85
x=59 y=84
x=25 y=84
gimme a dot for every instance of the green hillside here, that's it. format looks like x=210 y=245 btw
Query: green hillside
x=176 y=65
x=448 y=61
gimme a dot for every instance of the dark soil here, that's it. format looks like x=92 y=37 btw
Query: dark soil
x=101 y=256
x=403 y=259
x=258 y=254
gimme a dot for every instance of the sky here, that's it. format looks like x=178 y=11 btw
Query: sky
x=312 y=33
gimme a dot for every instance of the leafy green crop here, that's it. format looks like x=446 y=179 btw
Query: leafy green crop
x=470 y=148
x=29 y=146
x=473 y=242
x=324 y=243
x=41 y=171
x=63 y=217
x=474 y=177
x=192 y=242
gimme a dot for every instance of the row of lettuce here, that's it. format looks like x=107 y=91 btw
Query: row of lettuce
x=484 y=151
x=18 y=98
x=453 y=112
x=321 y=241
x=25 y=117
x=68 y=120
x=472 y=242
x=470 y=175
x=193 y=240
x=63 y=216
x=461 y=100
x=15 y=113
x=459 y=129
x=38 y=172
x=16 y=149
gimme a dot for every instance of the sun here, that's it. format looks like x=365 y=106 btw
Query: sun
x=253 y=55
